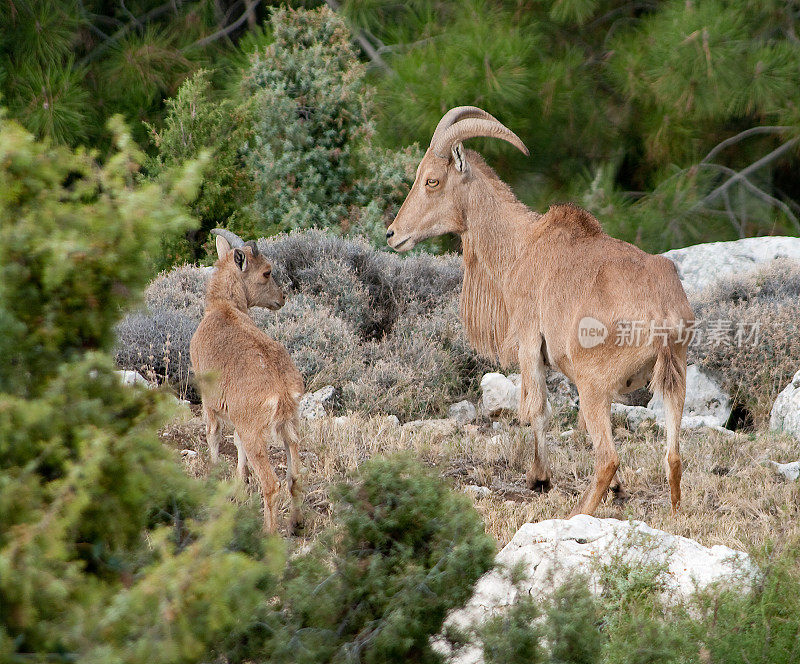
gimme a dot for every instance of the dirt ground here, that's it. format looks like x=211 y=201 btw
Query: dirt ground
x=729 y=497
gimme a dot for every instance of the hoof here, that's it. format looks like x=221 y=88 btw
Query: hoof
x=297 y=527
x=538 y=485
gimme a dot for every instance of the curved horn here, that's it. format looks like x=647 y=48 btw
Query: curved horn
x=457 y=114
x=233 y=239
x=471 y=128
x=252 y=244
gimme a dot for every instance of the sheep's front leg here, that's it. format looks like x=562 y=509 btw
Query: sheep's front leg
x=535 y=410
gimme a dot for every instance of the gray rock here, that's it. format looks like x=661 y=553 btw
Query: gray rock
x=312 y=404
x=462 y=412
x=706 y=403
x=785 y=415
x=701 y=265
x=635 y=416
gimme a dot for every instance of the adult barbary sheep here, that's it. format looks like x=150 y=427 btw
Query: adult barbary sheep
x=552 y=290
x=246 y=378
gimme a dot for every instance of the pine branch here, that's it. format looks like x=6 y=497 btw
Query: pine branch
x=224 y=32
x=119 y=34
x=740 y=137
x=361 y=38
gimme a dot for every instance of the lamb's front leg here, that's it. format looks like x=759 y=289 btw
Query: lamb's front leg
x=535 y=410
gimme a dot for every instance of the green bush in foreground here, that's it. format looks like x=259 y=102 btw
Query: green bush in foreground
x=109 y=553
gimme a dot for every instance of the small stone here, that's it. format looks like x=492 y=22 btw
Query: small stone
x=188 y=454
x=499 y=394
x=341 y=421
x=462 y=412
x=392 y=421
x=567 y=434
x=478 y=491
x=634 y=416
x=443 y=427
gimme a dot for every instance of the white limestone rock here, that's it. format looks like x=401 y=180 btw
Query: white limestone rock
x=551 y=551
x=313 y=404
x=706 y=403
x=701 y=265
x=499 y=394
x=785 y=415
x=635 y=416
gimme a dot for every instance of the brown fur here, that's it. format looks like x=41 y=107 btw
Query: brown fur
x=529 y=279
x=246 y=378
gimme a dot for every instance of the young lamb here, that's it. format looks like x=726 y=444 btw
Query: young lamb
x=246 y=378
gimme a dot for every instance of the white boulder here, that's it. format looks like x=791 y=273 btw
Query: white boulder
x=791 y=471
x=703 y=264
x=128 y=377
x=551 y=551
x=706 y=403
x=499 y=394
x=312 y=404
x=785 y=415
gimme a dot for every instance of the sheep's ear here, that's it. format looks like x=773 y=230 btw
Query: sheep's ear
x=240 y=258
x=460 y=158
x=223 y=247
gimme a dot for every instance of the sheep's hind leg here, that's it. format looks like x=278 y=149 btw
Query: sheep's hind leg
x=213 y=433
x=288 y=432
x=258 y=456
x=596 y=407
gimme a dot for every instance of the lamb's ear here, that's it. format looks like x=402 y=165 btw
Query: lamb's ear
x=223 y=247
x=460 y=158
x=240 y=258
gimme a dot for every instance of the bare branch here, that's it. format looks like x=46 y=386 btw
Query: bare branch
x=741 y=176
x=224 y=32
x=758 y=192
x=740 y=137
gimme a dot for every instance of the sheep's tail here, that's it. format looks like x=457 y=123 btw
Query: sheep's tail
x=669 y=372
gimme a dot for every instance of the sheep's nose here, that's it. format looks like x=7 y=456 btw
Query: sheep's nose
x=389 y=234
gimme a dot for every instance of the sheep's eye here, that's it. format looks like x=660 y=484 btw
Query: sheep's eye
x=267 y=273
x=432 y=183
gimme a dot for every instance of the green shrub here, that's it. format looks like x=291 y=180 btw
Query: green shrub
x=106 y=548
x=384 y=329
x=406 y=551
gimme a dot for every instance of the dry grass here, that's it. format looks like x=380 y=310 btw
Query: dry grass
x=728 y=496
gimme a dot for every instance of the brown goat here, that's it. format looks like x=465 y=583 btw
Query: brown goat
x=552 y=290
x=246 y=378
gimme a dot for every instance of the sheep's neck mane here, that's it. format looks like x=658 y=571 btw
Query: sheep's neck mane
x=226 y=288
x=496 y=223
